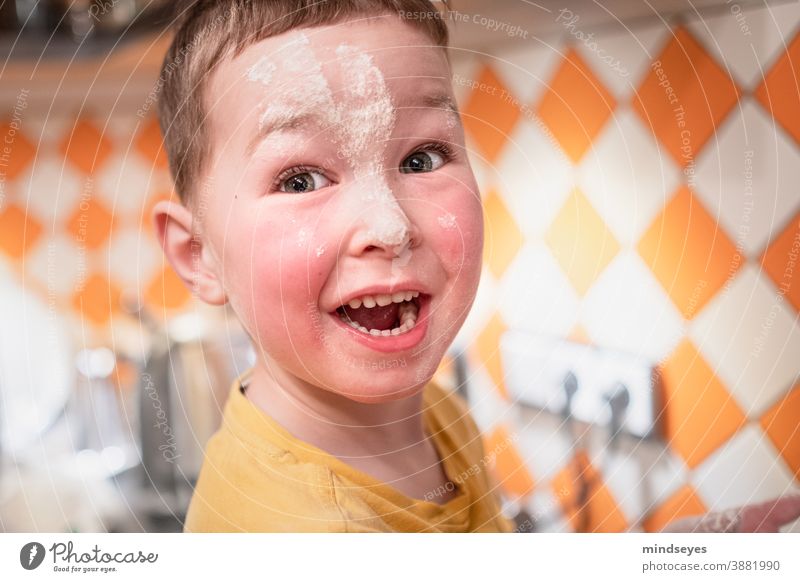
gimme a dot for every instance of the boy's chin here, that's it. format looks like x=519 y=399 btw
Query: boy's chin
x=381 y=391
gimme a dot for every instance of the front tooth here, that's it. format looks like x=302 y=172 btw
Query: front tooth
x=383 y=300
x=355 y=303
x=386 y=332
x=408 y=296
x=369 y=301
x=399 y=297
x=415 y=294
x=375 y=332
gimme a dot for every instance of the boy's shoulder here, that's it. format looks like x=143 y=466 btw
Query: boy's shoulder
x=247 y=485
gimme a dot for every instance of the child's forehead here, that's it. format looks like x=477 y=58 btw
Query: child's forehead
x=314 y=69
x=401 y=53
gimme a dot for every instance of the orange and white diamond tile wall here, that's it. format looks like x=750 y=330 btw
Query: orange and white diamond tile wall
x=74 y=219
x=652 y=207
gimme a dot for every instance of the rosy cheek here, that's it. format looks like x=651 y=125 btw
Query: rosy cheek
x=457 y=229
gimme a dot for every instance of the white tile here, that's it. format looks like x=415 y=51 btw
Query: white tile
x=744 y=470
x=486 y=405
x=46 y=132
x=52 y=190
x=125 y=183
x=627 y=176
x=133 y=257
x=527 y=69
x=544 y=507
x=59 y=265
x=628 y=310
x=640 y=474
x=747 y=177
x=746 y=43
x=484 y=306
x=465 y=68
x=751 y=339
x=535 y=177
x=486 y=176
x=621 y=60
x=535 y=294
x=543 y=441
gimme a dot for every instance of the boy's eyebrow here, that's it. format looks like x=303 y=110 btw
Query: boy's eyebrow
x=439 y=101
x=291 y=122
x=280 y=122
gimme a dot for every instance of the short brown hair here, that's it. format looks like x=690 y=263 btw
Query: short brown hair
x=208 y=31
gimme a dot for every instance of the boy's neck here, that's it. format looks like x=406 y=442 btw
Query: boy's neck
x=334 y=423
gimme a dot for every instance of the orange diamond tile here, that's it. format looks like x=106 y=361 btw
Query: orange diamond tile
x=97 y=299
x=16 y=152
x=699 y=413
x=85 y=147
x=599 y=512
x=581 y=242
x=90 y=224
x=490 y=113
x=18 y=231
x=686 y=98
x=576 y=106
x=502 y=237
x=688 y=253
x=780 y=260
x=488 y=351
x=508 y=466
x=780 y=91
x=683 y=503
x=167 y=291
x=782 y=425
x=150 y=143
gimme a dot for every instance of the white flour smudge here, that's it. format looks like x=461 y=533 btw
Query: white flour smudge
x=363 y=120
x=447 y=221
x=262 y=71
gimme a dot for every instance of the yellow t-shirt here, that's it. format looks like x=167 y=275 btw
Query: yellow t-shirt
x=256 y=476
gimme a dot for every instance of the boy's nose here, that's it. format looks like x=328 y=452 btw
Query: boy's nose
x=391 y=237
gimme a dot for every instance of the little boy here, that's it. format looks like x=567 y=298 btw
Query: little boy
x=326 y=194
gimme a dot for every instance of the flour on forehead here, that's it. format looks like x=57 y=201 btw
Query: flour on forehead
x=367 y=111
x=262 y=71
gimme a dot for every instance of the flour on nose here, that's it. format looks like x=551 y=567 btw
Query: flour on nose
x=368 y=120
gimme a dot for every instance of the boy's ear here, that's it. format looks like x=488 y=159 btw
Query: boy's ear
x=186 y=252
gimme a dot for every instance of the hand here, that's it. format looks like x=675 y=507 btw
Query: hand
x=769 y=516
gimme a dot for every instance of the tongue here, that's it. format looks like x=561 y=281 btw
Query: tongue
x=374 y=317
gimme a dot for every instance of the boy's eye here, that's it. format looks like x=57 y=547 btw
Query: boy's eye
x=303 y=182
x=422 y=161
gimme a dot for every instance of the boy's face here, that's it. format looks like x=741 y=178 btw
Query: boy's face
x=338 y=171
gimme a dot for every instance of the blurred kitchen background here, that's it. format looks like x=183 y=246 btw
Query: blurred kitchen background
x=633 y=355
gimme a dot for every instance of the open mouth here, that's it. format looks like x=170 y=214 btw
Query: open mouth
x=383 y=315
